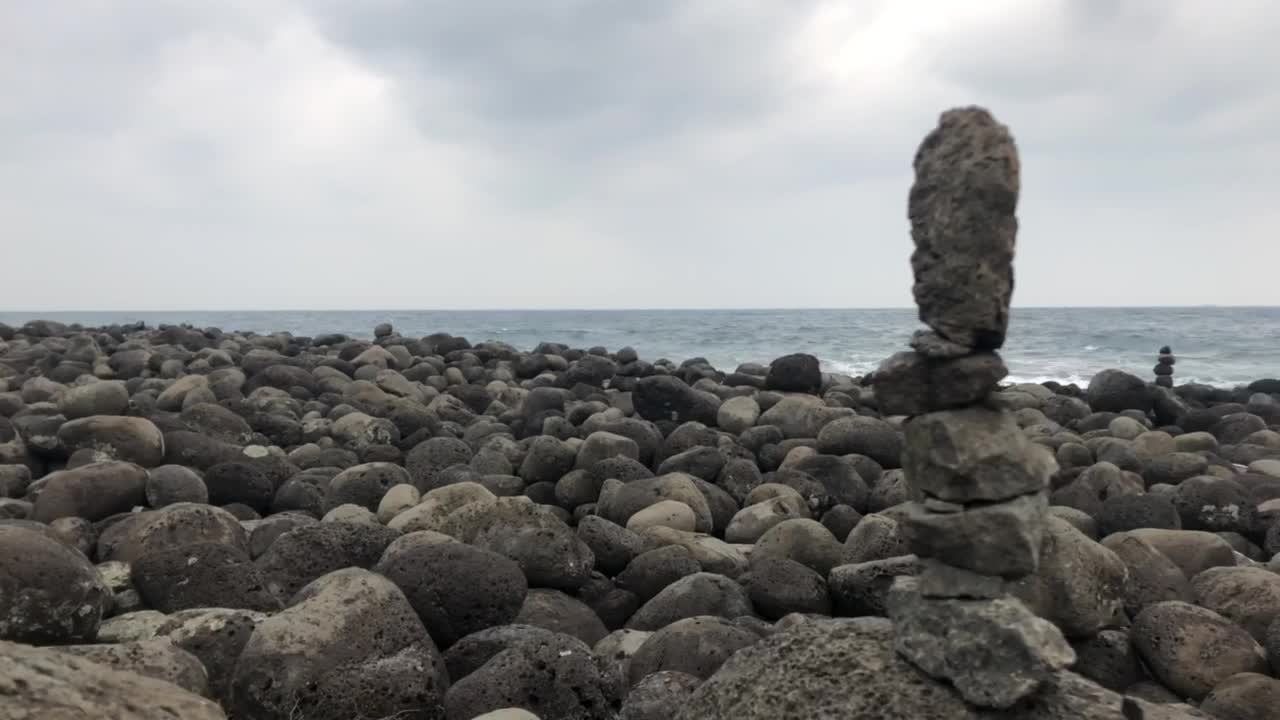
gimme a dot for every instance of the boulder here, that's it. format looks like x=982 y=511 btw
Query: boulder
x=713 y=554
x=1080 y=584
x=1214 y=504
x=157 y=658
x=349 y=644
x=805 y=541
x=49 y=593
x=434 y=507
x=203 y=575
x=665 y=513
x=216 y=637
x=619 y=501
x=243 y=481
x=1249 y=596
x=45 y=684
x=364 y=485
x=875 y=537
x=664 y=397
x=861 y=435
x=737 y=414
x=1174 y=639
x=97 y=398
x=545 y=548
x=823 y=669
x=92 y=492
x=697 y=645
x=170 y=527
x=649 y=572
x=130 y=439
x=601 y=445
x=778 y=587
x=428 y=458
x=549 y=674
x=455 y=589
x=396 y=500
x=751 y=522
x=1152 y=576
x=798 y=372
x=1120 y=513
x=1193 y=551
x=1108 y=658
x=698 y=594
x=1244 y=696
x=1116 y=391
x=560 y=613
x=172 y=484
x=612 y=545
x=659 y=696
x=309 y=552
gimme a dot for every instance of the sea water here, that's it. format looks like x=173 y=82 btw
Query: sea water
x=1222 y=346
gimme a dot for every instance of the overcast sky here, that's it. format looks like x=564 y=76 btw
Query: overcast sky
x=273 y=154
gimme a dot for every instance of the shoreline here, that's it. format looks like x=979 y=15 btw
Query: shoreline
x=1022 y=369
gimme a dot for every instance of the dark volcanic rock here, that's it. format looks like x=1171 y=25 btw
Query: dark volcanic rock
x=171 y=484
x=49 y=593
x=663 y=397
x=697 y=646
x=305 y=553
x=659 y=696
x=962 y=210
x=1116 y=391
x=1174 y=640
x=547 y=550
x=348 y=645
x=518 y=666
x=558 y=612
x=795 y=373
x=93 y=491
x=806 y=671
x=456 y=589
x=698 y=594
x=910 y=383
x=202 y=575
x=44 y=683
x=130 y=439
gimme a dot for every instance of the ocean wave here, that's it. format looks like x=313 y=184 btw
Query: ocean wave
x=841 y=367
x=1067 y=379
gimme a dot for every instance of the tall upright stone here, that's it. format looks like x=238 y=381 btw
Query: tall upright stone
x=962 y=209
x=982 y=485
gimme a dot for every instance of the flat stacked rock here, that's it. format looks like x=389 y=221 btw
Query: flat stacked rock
x=1164 y=367
x=979 y=486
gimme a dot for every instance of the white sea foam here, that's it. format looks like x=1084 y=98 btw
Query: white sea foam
x=1080 y=380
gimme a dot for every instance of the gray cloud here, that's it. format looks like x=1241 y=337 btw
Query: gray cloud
x=575 y=153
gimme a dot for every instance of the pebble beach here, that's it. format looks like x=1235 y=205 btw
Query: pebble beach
x=242 y=524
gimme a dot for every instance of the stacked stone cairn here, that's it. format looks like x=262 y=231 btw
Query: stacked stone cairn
x=979 y=486
x=1164 y=367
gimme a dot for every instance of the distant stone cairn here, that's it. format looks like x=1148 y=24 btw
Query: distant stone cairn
x=1164 y=367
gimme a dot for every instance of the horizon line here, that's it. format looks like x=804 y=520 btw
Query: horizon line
x=613 y=309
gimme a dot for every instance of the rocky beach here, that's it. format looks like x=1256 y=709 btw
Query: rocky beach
x=201 y=523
